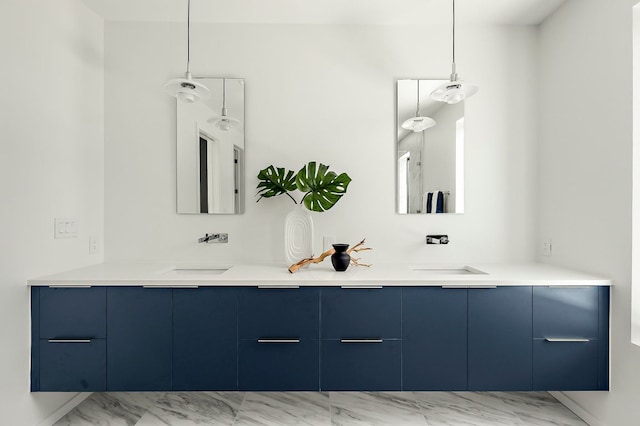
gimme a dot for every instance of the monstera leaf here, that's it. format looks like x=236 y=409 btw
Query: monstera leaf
x=323 y=187
x=276 y=181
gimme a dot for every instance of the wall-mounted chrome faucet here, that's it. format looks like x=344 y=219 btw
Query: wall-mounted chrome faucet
x=214 y=238
x=437 y=239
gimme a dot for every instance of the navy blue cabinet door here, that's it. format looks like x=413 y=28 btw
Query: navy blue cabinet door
x=278 y=366
x=205 y=347
x=560 y=316
x=500 y=336
x=361 y=313
x=269 y=312
x=73 y=312
x=138 y=339
x=434 y=338
x=360 y=366
x=565 y=366
x=72 y=366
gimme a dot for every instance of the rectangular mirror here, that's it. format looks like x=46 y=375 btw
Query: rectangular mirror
x=210 y=150
x=430 y=162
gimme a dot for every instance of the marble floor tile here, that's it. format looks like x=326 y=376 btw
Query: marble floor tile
x=110 y=409
x=194 y=408
x=464 y=409
x=284 y=408
x=375 y=408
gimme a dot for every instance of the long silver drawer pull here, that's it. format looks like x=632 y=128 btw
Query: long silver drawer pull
x=361 y=340
x=69 y=340
x=548 y=339
x=461 y=286
x=69 y=286
x=482 y=286
x=185 y=286
x=157 y=286
x=278 y=287
x=360 y=287
x=278 y=340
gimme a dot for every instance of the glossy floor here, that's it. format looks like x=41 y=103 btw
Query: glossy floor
x=316 y=408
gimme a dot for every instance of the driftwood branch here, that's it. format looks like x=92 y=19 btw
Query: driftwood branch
x=355 y=261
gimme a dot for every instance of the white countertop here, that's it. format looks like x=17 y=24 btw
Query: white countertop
x=163 y=274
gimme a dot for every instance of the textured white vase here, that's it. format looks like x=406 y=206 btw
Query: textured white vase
x=298 y=234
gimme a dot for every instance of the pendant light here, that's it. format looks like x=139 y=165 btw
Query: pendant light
x=186 y=89
x=418 y=123
x=454 y=90
x=224 y=122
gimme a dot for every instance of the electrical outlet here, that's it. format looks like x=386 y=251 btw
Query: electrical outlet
x=546 y=248
x=93 y=245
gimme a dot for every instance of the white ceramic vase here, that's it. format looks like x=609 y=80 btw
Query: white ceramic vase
x=298 y=234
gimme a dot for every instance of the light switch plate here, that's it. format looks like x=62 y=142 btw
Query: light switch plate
x=65 y=227
x=546 y=248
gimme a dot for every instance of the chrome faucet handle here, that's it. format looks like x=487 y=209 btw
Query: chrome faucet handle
x=437 y=239
x=214 y=238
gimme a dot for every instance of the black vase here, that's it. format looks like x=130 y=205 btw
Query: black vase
x=340 y=259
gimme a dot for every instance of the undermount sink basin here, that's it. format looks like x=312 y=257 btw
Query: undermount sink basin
x=196 y=270
x=447 y=270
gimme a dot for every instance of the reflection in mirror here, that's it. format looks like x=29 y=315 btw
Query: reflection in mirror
x=430 y=163
x=210 y=150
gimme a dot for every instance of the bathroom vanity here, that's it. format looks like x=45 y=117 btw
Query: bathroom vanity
x=144 y=327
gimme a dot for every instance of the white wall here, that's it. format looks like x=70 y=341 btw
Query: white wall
x=324 y=93
x=585 y=172
x=51 y=164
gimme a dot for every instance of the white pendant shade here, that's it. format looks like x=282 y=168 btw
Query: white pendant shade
x=223 y=121
x=186 y=89
x=418 y=124
x=453 y=92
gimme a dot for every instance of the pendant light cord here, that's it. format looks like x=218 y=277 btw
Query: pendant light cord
x=189 y=36
x=454 y=74
x=224 y=93
x=418 y=101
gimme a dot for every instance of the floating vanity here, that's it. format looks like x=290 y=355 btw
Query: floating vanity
x=153 y=327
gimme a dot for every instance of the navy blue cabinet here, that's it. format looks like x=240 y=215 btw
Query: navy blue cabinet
x=278 y=332
x=73 y=365
x=361 y=312
x=68 y=339
x=361 y=339
x=319 y=338
x=139 y=348
x=566 y=338
x=278 y=364
x=279 y=312
x=500 y=353
x=434 y=339
x=205 y=349
x=361 y=364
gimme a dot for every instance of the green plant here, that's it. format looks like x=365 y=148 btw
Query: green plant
x=322 y=188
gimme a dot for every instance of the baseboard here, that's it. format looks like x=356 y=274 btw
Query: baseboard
x=65 y=408
x=577 y=409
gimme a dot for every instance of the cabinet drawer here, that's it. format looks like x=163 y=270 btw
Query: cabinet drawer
x=565 y=366
x=271 y=312
x=278 y=366
x=360 y=366
x=565 y=312
x=73 y=312
x=78 y=366
x=358 y=313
